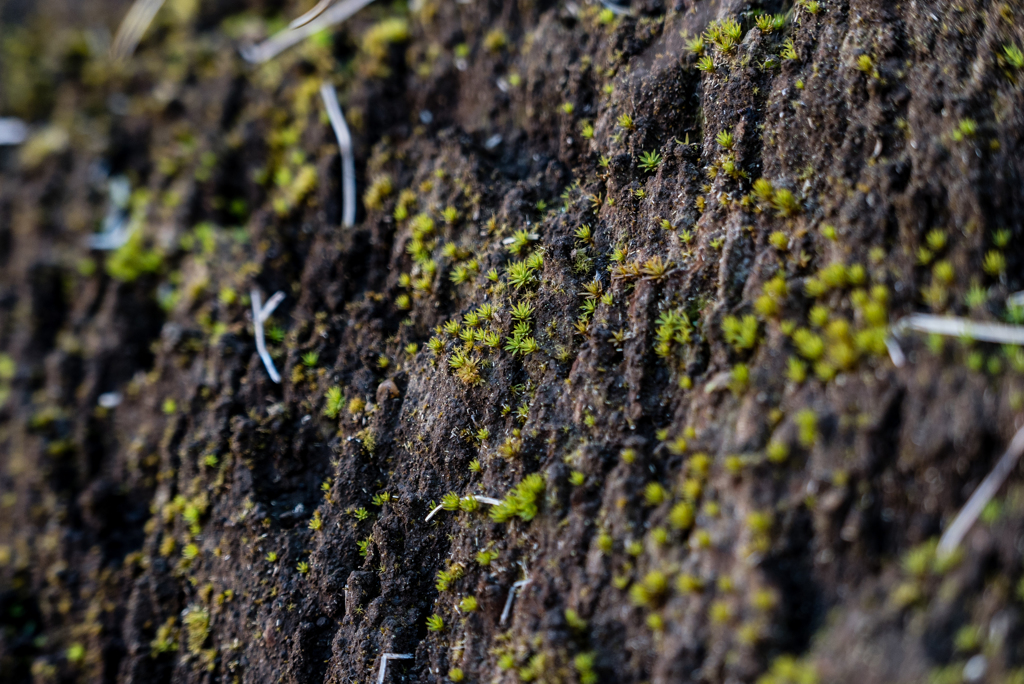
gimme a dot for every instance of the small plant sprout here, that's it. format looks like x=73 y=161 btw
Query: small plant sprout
x=1013 y=56
x=516 y=586
x=706 y=64
x=725 y=139
x=626 y=121
x=522 y=311
x=994 y=263
x=260 y=313
x=807 y=427
x=650 y=591
x=785 y=203
x=695 y=45
x=568 y=107
x=309 y=359
x=740 y=333
x=649 y=161
x=348 y=163
x=520 y=274
x=469 y=604
x=655 y=268
x=316 y=523
x=966 y=128
x=789 y=50
x=435 y=623
x=768 y=23
x=384 y=663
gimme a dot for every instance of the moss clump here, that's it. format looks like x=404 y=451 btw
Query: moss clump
x=650 y=591
x=197 y=627
x=377 y=43
x=740 y=333
x=521 y=501
x=378 y=191
x=788 y=670
x=133 y=259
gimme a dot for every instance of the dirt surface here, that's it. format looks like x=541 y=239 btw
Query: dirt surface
x=635 y=288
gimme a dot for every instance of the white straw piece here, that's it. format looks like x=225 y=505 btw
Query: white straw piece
x=348 y=162
x=279 y=42
x=260 y=313
x=482 y=499
x=615 y=8
x=117 y=225
x=312 y=14
x=13 y=131
x=968 y=515
x=384 y=663
x=895 y=352
x=133 y=27
x=951 y=326
x=511 y=595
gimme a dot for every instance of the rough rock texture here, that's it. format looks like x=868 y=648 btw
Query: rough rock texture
x=710 y=468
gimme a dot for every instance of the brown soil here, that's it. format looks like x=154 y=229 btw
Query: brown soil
x=703 y=512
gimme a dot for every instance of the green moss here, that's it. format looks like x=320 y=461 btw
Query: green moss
x=166 y=639
x=132 y=259
x=740 y=333
x=377 y=42
x=650 y=591
x=521 y=501
x=788 y=670
x=197 y=627
x=807 y=427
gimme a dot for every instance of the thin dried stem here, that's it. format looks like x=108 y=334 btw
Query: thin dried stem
x=13 y=131
x=279 y=42
x=260 y=313
x=348 y=163
x=140 y=15
x=951 y=326
x=490 y=501
x=312 y=14
x=384 y=663
x=508 y=602
x=967 y=516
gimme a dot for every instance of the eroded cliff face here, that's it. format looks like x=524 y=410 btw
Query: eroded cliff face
x=633 y=285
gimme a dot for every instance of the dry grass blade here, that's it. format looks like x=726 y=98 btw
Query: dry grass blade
x=13 y=131
x=312 y=14
x=950 y=326
x=967 y=516
x=133 y=27
x=384 y=663
x=348 y=163
x=260 y=313
x=511 y=595
x=490 y=501
x=278 y=43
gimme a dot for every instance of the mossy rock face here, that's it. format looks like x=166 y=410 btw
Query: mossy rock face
x=614 y=314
